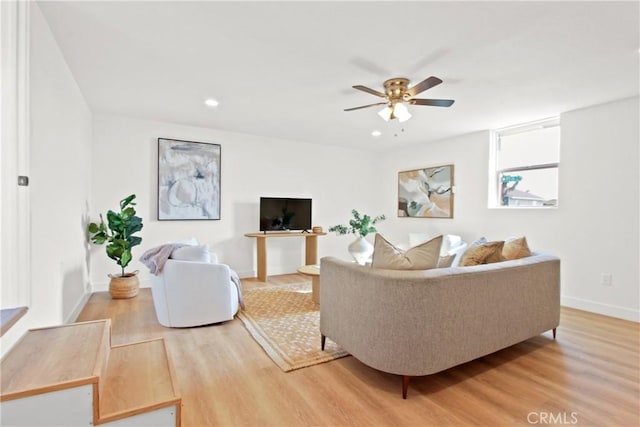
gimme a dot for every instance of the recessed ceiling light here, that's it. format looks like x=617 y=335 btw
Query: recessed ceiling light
x=211 y=102
x=376 y=133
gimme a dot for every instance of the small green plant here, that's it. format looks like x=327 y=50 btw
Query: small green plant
x=118 y=232
x=360 y=224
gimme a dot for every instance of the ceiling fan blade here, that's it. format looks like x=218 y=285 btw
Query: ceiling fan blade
x=368 y=90
x=432 y=102
x=365 y=106
x=424 y=85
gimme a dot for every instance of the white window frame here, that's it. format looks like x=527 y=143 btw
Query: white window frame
x=495 y=196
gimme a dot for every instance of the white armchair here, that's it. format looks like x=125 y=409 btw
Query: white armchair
x=193 y=293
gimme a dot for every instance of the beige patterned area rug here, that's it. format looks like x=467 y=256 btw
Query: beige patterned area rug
x=286 y=323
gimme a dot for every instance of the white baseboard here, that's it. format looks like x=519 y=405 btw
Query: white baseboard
x=78 y=308
x=246 y=274
x=600 y=308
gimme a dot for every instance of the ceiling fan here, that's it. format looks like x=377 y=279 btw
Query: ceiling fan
x=397 y=94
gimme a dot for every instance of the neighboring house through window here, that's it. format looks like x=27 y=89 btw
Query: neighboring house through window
x=524 y=165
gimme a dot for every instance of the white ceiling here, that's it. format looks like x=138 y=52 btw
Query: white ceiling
x=285 y=69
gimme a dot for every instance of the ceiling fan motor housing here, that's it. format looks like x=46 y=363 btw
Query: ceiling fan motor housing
x=396 y=88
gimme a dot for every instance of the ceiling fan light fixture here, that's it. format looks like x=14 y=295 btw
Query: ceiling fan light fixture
x=385 y=113
x=401 y=112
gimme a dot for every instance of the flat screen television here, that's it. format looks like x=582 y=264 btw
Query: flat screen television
x=284 y=214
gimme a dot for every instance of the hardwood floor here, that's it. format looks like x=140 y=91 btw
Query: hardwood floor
x=588 y=376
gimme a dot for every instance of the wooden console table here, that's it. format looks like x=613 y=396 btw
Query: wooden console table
x=311 y=248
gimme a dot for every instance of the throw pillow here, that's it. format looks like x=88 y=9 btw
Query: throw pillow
x=450 y=242
x=198 y=253
x=516 y=248
x=457 y=254
x=422 y=257
x=482 y=253
x=446 y=261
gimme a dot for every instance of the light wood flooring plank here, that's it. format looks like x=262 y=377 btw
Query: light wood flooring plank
x=226 y=379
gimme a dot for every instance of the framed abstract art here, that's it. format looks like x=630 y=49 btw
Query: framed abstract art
x=426 y=193
x=188 y=180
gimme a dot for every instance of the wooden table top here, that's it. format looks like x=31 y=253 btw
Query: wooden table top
x=310 y=270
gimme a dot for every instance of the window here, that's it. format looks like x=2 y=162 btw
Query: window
x=524 y=165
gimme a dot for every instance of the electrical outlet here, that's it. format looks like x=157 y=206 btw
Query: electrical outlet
x=606 y=279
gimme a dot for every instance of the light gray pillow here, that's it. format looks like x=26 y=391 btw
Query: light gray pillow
x=198 y=253
x=425 y=256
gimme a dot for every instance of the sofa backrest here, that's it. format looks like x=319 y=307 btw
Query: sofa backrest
x=421 y=322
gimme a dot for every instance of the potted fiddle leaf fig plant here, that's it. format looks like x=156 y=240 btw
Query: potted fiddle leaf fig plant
x=360 y=249
x=118 y=233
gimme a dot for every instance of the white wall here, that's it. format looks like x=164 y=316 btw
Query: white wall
x=594 y=230
x=125 y=162
x=467 y=153
x=600 y=189
x=59 y=152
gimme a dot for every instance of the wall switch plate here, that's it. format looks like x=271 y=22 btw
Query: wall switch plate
x=606 y=279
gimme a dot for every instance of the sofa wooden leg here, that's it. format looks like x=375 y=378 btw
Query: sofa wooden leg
x=323 y=339
x=405 y=385
x=553 y=331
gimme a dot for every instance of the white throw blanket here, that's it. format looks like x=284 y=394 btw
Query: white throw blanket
x=236 y=280
x=155 y=258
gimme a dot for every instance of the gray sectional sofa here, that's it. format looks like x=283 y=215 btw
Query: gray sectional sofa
x=414 y=323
